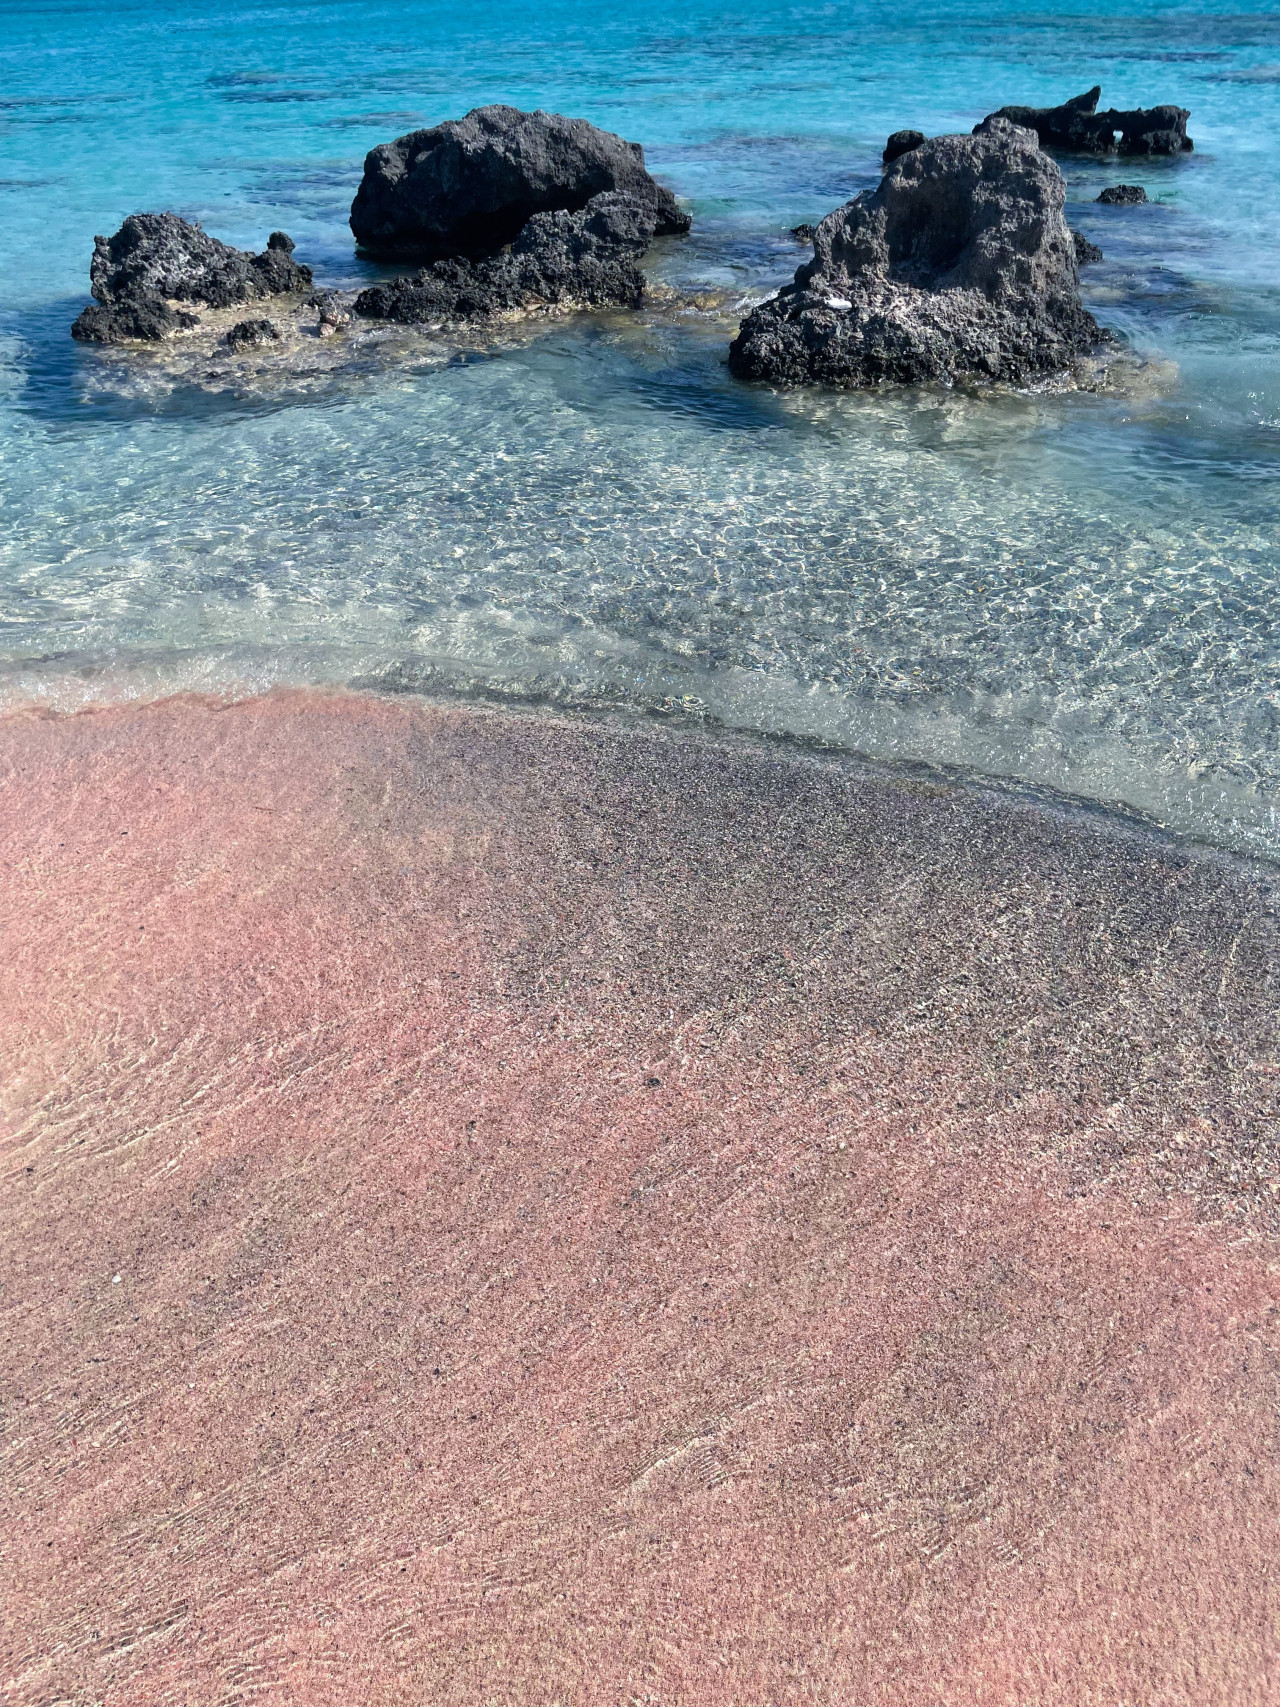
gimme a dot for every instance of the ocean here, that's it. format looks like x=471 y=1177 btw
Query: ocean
x=1074 y=591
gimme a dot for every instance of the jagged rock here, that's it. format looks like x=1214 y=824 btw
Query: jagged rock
x=1123 y=195
x=156 y=259
x=468 y=186
x=900 y=143
x=1086 y=253
x=158 y=254
x=582 y=259
x=251 y=335
x=1078 y=126
x=959 y=264
x=144 y=318
x=803 y=233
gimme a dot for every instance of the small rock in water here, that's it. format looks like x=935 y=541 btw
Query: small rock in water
x=1123 y=195
x=332 y=314
x=252 y=334
x=803 y=233
x=1086 y=252
x=900 y=143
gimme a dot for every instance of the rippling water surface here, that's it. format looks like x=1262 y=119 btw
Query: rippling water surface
x=1077 y=590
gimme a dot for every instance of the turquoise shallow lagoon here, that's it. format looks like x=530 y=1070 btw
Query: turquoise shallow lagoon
x=1074 y=590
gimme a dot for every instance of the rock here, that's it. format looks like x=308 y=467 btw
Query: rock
x=803 y=233
x=959 y=264
x=251 y=335
x=146 y=318
x=333 y=315
x=468 y=186
x=585 y=259
x=158 y=254
x=1078 y=126
x=156 y=259
x=900 y=143
x=1086 y=253
x=1157 y=130
x=1123 y=195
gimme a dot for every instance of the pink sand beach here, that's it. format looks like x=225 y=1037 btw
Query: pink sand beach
x=500 y=1209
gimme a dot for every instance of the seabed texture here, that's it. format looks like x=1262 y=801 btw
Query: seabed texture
x=507 y=1210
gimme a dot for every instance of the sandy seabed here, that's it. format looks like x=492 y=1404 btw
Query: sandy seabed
x=506 y=1210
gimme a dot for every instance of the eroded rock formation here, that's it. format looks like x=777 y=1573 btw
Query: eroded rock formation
x=157 y=259
x=959 y=264
x=1077 y=125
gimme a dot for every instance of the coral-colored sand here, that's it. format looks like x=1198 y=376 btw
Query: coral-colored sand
x=500 y=1210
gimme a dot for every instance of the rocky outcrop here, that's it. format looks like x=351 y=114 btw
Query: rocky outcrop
x=959 y=265
x=900 y=143
x=585 y=260
x=1086 y=253
x=1123 y=195
x=802 y=233
x=1078 y=126
x=468 y=187
x=156 y=259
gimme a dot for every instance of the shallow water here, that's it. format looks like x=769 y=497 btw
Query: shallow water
x=1072 y=589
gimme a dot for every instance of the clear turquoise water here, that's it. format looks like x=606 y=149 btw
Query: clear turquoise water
x=1075 y=590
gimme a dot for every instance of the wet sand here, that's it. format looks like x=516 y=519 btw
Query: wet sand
x=505 y=1210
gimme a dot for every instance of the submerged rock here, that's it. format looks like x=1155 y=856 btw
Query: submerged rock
x=959 y=264
x=900 y=143
x=1123 y=195
x=1086 y=253
x=252 y=334
x=1078 y=126
x=468 y=186
x=583 y=259
x=156 y=259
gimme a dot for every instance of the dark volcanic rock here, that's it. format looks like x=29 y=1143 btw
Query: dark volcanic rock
x=1077 y=125
x=959 y=264
x=900 y=143
x=582 y=259
x=803 y=233
x=1086 y=253
x=145 y=318
x=468 y=186
x=252 y=334
x=1123 y=195
x=160 y=255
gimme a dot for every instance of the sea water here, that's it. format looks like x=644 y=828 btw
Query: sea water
x=1074 y=589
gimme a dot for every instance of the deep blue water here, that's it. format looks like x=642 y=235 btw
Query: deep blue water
x=1077 y=590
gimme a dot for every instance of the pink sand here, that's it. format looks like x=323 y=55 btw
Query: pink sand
x=502 y=1211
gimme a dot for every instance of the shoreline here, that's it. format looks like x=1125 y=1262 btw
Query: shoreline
x=680 y=723
x=513 y=1207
